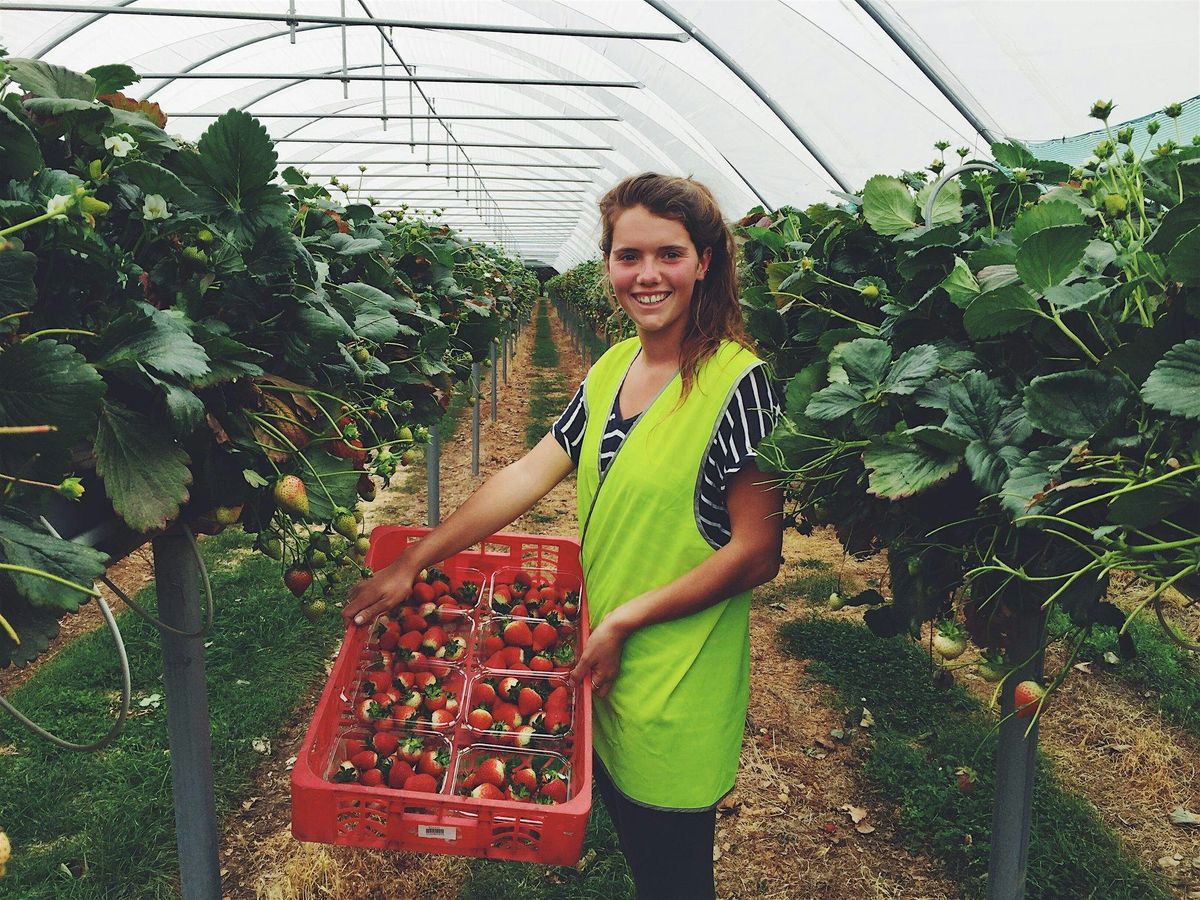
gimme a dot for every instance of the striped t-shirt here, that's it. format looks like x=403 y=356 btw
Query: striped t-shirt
x=748 y=417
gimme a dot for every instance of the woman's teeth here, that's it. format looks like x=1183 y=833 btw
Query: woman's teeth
x=650 y=299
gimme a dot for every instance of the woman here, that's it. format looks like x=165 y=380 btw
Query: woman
x=677 y=524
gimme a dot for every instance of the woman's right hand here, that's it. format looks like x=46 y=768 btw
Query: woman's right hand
x=386 y=589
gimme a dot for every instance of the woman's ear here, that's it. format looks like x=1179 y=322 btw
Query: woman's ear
x=705 y=260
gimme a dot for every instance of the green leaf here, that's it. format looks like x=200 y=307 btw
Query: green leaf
x=948 y=206
x=273 y=254
x=145 y=472
x=937 y=438
x=1031 y=477
x=1076 y=404
x=996 y=276
x=329 y=481
x=44 y=382
x=1146 y=507
x=155 y=179
x=155 y=339
x=1174 y=383
x=911 y=370
x=888 y=206
x=993 y=425
x=36 y=626
x=185 y=410
x=112 y=78
x=999 y=312
x=21 y=545
x=1184 y=260
x=232 y=177
x=17 y=291
x=833 y=402
x=800 y=390
x=351 y=246
x=20 y=155
x=1064 y=297
x=961 y=285
x=48 y=80
x=896 y=471
x=1013 y=155
x=866 y=361
x=1050 y=255
x=227 y=359
x=374 y=323
x=1045 y=215
x=359 y=295
x=1177 y=221
x=57 y=106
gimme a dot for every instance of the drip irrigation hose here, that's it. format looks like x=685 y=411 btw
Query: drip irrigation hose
x=126 y=692
x=1168 y=631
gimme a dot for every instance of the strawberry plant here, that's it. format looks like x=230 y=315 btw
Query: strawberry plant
x=186 y=339
x=584 y=289
x=997 y=385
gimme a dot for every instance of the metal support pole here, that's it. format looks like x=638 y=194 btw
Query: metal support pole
x=433 y=464
x=475 y=418
x=1015 y=765
x=504 y=357
x=178 y=583
x=493 y=381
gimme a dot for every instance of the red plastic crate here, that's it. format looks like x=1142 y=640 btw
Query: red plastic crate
x=383 y=818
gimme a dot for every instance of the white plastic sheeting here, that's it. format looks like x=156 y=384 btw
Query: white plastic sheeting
x=1029 y=70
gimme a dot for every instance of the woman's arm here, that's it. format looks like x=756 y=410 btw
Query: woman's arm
x=751 y=558
x=508 y=494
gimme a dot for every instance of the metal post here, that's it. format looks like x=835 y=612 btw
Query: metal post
x=475 y=418
x=177 y=580
x=493 y=381
x=504 y=357
x=433 y=463
x=1015 y=765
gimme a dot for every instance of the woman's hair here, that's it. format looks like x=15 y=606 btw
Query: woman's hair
x=716 y=314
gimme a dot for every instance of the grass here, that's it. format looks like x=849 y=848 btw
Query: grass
x=1168 y=672
x=113 y=809
x=548 y=393
x=922 y=734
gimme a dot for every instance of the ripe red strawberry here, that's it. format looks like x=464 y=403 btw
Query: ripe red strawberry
x=554 y=790
x=508 y=688
x=410 y=641
x=410 y=621
x=541 y=662
x=368 y=712
x=558 y=699
x=479 y=719
x=512 y=656
x=401 y=713
x=556 y=721
x=485 y=693
x=411 y=748
x=517 y=634
x=365 y=759
x=433 y=762
x=422 y=592
x=490 y=771
x=378 y=680
x=440 y=588
x=422 y=680
x=529 y=701
x=298 y=580
x=405 y=679
x=435 y=698
x=441 y=717
x=564 y=655
x=544 y=635
x=525 y=778
x=519 y=610
x=454 y=649
x=371 y=777
x=291 y=495
x=1028 y=697
x=399 y=773
x=507 y=713
x=492 y=644
x=570 y=604
x=522 y=736
x=496 y=661
x=425 y=784
x=487 y=792
x=385 y=744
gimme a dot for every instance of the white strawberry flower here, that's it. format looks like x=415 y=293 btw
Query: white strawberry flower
x=59 y=204
x=120 y=144
x=155 y=207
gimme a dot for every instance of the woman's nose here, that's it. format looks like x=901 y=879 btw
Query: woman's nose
x=648 y=271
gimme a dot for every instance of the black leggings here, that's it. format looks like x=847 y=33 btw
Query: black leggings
x=669 y=853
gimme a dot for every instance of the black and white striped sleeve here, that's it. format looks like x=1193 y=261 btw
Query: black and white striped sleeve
x=749 y=417
x=568 y=429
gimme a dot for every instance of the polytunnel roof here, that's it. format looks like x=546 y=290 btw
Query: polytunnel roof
x=514 y=116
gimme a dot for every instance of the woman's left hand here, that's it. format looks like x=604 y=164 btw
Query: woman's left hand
x=601 y=659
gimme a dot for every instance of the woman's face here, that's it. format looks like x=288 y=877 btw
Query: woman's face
x=653 y=268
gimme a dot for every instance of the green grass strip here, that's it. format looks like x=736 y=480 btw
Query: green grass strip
x=548 y=393
x=1163 y=668
x=922 y=734
x=114 y=808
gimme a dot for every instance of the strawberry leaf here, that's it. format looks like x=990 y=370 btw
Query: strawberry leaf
x=901 y=470
x=48 y=80
x=145 y=471
x=112 y=78
x=21 y=156
x=21 y=545
x=1174 y=383
x=888 y=205
x=47 y=383
x=155 y=339
x=1076 y=404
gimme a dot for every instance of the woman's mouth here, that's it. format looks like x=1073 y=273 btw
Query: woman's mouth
x=651 y=299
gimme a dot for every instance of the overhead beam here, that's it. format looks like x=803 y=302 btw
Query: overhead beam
x=392 y=141
x=428 y=175
x=297 y=19
x=401 y=116
x=421 y=162
x=347 y=76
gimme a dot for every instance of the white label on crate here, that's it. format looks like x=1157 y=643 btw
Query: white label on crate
x=445 y=832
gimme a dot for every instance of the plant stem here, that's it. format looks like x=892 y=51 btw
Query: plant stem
x=91 y=592
x=12 y=229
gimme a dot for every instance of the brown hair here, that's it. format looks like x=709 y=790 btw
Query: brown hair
x=716 y=314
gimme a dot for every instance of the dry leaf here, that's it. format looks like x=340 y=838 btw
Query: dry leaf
x=857 y=813
x=1084 y=667
x=867 y=719
x=1181 y=816
x=864 y=828
x=782 y=607
x=1111 y=658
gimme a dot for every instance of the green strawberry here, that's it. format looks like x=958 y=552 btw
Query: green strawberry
x=292 y=495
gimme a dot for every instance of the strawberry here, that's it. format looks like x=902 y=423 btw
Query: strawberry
x=485 y=693
x=405 y=679
x=521 y=736
x=411 y=748
x=455 y=648
x=433 y=640
x=399 y=773
x=365 y=759
x=556 y=722
x=508 y=714
x=440 y=588
x=371 y=777
x=517 y=634
x=493 y=643
x=291 y=495
x=512 y=656
x=385 y=744
x=440 y=718
x=298 y=580
x=1028 y=696
x=422 y=592
x=435 y=698
x=950 y=641
x=508 y=688
x=422 y=680
x=558 y=699
x=368 y=712
x=544 y=635
x=541 y=662
x=570 y=604
x=528 y=701
x=519 y=610
x=564 y=655
x=424 y=784
x=411 y=641
x=490 y=771
x=433 y=762
x=401 y=713
x=487 y=792
x=554 y=790
x=479 y=718
x=525 y=778
x=345 y=524
x=345 y=772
